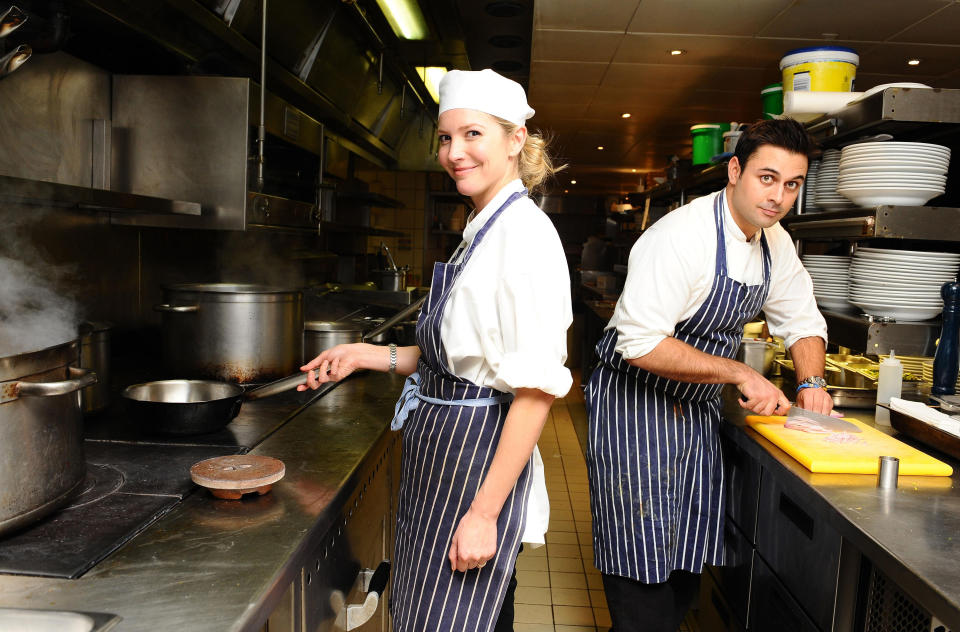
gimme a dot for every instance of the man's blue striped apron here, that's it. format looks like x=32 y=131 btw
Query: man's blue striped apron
x=656 y=476
x=449 y=438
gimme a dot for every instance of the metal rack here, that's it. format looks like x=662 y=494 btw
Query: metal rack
x=919 y=114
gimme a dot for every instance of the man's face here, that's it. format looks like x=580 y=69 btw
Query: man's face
x=764 y=190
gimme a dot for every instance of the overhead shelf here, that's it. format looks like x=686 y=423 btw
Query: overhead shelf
x=338 y=227
x=36 y=192
x=875 y=336
x=905 y=113
x=369 y=199
x=933 y=223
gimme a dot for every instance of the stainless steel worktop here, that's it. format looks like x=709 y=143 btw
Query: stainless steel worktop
x=219 y=565
x=911 y=533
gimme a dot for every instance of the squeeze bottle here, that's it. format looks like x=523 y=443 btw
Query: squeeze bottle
x=889 y=385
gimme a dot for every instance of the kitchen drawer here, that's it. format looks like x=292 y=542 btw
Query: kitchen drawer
x=799 y=546
x=733 y=578
x=714 y=615
x=772 y=606
x=742 y=475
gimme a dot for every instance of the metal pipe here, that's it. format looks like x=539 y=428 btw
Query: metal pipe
x=380 y=75
x=262 y=129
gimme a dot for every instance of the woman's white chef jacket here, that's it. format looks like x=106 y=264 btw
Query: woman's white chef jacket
x=505 y=324
x=672 y=267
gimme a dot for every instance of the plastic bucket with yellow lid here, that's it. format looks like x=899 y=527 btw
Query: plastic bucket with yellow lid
x=820 y=69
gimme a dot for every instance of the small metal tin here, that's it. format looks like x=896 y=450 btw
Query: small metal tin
x=888 y=473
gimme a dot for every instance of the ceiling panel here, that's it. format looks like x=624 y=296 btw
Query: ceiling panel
x=544 y=94
x=747 y=52
x=576 y=15
x=940 y=28
x=679 y=76
x=597 y=46
x=867 y=20
x=891 y=58
x=733 y=17
x=568 y=72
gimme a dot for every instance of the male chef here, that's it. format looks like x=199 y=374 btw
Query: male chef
x=694 y=279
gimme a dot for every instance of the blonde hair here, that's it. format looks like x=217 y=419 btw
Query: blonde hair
x=534 y=163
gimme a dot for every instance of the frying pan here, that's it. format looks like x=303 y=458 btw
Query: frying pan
x=188 y=407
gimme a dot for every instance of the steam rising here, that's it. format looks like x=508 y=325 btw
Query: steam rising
x=33 y=315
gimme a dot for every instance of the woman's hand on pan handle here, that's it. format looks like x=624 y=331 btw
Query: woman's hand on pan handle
x=474 y=542
x=336 y=363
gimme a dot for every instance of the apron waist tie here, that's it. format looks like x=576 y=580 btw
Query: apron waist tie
x=411 y=397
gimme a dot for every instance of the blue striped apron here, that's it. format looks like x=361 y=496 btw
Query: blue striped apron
x=450 y=432
x=653 y=453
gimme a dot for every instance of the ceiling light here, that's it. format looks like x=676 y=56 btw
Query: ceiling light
x=913 y=62
x=677 y=51
x=599 y=147
x=573 y=182
x=431 y=76
x=633 y=171
x=625 y=115
x=405 y=18
x=566 y=190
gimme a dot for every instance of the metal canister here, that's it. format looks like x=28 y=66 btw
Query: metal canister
x=319 y=335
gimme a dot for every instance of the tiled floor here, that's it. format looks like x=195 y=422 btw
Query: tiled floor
x=559 y=590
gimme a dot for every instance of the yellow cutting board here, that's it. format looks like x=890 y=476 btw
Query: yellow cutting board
x=823 y=453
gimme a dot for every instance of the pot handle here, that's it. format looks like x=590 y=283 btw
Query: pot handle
x=80 y=378
x=176 y=309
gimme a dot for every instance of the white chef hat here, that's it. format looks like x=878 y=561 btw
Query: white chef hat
x=485 y=91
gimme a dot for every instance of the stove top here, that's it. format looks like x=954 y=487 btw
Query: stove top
x=132 y=480
x=127 y=487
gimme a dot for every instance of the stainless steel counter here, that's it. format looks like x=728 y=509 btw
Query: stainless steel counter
x=911 y=533
x=224 y=565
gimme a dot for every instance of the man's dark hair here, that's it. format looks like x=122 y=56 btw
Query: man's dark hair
x=784 y=133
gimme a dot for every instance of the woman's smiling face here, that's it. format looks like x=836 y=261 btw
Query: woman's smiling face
x=477 y=153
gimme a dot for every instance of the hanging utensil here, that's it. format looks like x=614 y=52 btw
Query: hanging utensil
x=393 y=264
x=12 y=19
x=14 y=59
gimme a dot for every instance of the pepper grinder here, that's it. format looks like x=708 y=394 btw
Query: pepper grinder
x=946 y=360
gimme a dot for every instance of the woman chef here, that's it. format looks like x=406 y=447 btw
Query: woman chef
x=693 y=280
x=491 y=343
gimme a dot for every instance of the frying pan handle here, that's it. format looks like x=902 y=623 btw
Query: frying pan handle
x=236 y=408
x=176 y=309
x=273 y=388
x=80 y=378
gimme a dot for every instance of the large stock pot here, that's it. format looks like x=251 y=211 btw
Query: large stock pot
x=41 y=432
x=231 y=332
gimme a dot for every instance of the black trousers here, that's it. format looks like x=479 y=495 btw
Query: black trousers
x=505 y=619
x=638 y=607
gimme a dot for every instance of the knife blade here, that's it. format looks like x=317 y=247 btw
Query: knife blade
x=825 y=421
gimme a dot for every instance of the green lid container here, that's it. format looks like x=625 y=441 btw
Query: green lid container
x=707 y=141
x=772 y=96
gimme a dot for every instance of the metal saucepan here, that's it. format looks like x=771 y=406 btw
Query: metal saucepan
x=188 y=407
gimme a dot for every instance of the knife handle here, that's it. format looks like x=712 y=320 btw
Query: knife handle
x=945 y=360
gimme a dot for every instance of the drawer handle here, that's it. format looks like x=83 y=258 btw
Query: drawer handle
x=356 y=615
x=800 y=518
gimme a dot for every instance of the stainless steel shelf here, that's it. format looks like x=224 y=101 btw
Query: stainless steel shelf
x=932 y=223
x=906 y=113
x=36 y=192
x=864 y=335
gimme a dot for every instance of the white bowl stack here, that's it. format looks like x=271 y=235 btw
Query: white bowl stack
x=900 y=284
x=830 y=275
x=828 y=175
x=893 y=173
x=809 y=188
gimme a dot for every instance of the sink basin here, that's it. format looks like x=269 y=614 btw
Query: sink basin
x=23 y=620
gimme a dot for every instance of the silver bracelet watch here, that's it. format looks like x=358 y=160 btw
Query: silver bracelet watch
x=393 y=357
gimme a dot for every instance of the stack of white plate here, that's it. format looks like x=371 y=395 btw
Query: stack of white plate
x=900 y=284
x=830 y=275
x=927 y=373
x=828 y=175
x=809 y=185
x=893 y=173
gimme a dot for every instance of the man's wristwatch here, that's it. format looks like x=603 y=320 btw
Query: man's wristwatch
x=814 y=381
x=393 y=357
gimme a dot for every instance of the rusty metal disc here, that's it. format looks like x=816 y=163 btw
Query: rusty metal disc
x=233 y=476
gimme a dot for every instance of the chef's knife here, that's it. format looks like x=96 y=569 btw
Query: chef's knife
x=830 y=423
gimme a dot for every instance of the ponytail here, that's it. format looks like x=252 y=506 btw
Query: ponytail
x=534 y=162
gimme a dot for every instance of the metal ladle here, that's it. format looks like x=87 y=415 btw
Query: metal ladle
x=14 y=59
x=393 y=264
x=12 y=19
